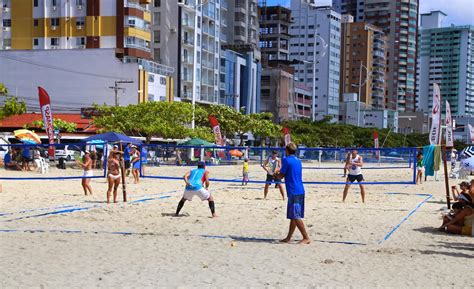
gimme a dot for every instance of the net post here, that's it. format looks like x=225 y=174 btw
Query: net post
x=122 y=165
x=446 y=180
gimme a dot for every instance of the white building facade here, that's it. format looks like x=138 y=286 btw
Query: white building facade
x=316 y=36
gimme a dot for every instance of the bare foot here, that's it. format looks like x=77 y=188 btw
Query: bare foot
x=304 y=241
x=286 y=240
x=214 y=216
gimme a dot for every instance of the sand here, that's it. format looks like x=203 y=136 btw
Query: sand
x=141 y=245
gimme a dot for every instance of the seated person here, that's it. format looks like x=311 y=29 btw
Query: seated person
x=461 y=220
x=464 y=186
x=9 y=163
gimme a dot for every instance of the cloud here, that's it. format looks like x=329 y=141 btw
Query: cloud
x=460 y=12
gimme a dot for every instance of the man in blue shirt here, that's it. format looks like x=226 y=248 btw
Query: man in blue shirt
x=126 y=158
x=292 y=171
x=195 y=181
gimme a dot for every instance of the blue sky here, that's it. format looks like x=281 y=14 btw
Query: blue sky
x=460 y=12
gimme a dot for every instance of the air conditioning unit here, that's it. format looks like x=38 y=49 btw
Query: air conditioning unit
x=5 y=9
x=54 y=8
x=173 y=30
x=6 y=28
x=81 y=46
x=54 y=27
x=79 y=7
x=79 y=27
x=55 y=47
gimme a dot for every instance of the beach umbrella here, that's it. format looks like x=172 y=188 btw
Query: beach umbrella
x=236 y=153
x=97 y=143
x=468 y=151
x=27 y=136
x=112 y=137
x=198 y=142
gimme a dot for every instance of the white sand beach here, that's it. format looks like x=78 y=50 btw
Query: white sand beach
x=140 y=244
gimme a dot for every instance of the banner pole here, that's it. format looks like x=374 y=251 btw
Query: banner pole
x=124 y=185
x=446 y=179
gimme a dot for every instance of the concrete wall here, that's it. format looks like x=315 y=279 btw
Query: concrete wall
x=73 y=78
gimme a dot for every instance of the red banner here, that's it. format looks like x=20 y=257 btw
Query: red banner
x=376 y=144
x=286 y=134
x=45 y=106
x=217 y=130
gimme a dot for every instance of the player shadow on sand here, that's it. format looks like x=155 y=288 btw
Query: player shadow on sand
x=174 y=215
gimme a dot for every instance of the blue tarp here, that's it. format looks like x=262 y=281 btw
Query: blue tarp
x=428 y=159
x=112 y=137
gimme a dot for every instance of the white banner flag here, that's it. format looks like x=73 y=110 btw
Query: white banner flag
x=435 y=135
x=449 y=127
x=471 y=132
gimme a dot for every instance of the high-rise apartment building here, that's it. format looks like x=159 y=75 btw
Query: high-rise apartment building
x=363 y=62
x=446 y=57
x=275 y=22
x=316 y=44
x=399 y=21
x=187 y=37
x=241 y=23
x=71 y=47
x=79 y=24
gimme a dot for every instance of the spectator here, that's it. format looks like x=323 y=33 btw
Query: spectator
x=9 y=163
x=461 y=220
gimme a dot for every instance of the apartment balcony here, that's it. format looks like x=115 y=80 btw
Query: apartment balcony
x=131 y=4
x=188 y=41
x=224 y=5
x=187 y=60
x=189 y=23
x=207 y=64
x=186 y=77
x=209 y=31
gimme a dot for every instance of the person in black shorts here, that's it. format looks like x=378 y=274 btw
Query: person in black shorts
x=272 y=165
x=354 y=166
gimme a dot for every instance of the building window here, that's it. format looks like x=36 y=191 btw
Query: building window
x=163 y=80
x=54 y=21
x=35 y=22
x=54 y=41
x=80 y=22
x=7 y=22
x=35 y=41
x=157 y=3
x=79 y=2
x=157 y=18
x=151 y=78
x=54 y=3
x=35 y=3
x=80 y=41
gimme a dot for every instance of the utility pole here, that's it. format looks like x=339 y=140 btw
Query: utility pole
x=116 y=88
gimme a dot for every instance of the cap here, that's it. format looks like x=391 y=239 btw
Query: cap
x=115 y=146
x=87 y=152
x=134 y=146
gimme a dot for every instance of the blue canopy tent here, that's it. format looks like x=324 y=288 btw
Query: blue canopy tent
x=112 y=137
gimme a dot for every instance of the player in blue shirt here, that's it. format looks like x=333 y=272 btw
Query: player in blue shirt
x=195 y=181
x=292 y=171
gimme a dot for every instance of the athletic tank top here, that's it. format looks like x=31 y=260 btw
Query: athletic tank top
x=195 y=179
x=272 y=165
x=355 y=170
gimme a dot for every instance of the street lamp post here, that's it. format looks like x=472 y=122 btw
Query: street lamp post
x=193 y=90
x=314 y=62
x=359 y=86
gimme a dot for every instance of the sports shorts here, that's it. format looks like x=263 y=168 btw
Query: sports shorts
x=202 y=193
x=353 y=178
x=270 y=179
x=295 y=207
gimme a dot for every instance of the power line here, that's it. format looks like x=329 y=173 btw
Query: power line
x=59 y=68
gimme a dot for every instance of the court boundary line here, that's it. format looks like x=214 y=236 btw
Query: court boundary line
x=387 y=236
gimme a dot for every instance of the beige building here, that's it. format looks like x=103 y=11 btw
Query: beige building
x=363 y=62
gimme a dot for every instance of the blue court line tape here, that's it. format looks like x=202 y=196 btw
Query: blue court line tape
x=365 y=168
x=238 y=238
x=49 y=178
x=148 y=199
x=306 y=183
x=74 y=209
x=406 y=217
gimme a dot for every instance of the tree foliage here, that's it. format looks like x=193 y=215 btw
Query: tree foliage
x=12 y=105
x=58 y=124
